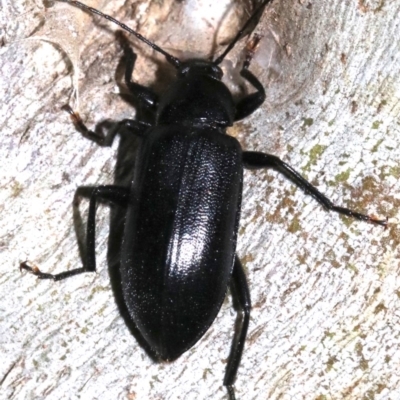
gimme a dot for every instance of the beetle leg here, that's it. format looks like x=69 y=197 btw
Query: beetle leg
x=257 y=160
x=250 y=103
x=56 y=277
x=115 y=194
x=241 y=294
x=143 y=94
x=96 y=136
x=132 y=126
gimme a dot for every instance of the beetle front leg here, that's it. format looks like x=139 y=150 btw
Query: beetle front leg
x=257 y=160
x=115 y=194
x=250 y=103
x=143 y=94
x=241 y=294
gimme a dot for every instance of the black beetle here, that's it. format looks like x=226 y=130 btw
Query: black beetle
x=183 y=209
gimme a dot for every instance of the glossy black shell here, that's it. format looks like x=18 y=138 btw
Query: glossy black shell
x=180 y=233
x=197 y=98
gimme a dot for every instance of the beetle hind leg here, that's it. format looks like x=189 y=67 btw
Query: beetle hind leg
x=241 y=295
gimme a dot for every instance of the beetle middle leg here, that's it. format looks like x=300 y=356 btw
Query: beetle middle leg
x=240 y=293
x=257 y=160
x=115 y=194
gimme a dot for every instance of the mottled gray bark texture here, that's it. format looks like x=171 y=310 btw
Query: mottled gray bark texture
x=325 y=289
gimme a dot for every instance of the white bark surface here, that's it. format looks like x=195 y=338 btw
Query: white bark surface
x=325 y=289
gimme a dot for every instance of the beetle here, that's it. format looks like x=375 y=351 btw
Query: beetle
x=178 y=253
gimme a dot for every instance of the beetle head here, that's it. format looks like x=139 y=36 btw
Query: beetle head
x=199 y=67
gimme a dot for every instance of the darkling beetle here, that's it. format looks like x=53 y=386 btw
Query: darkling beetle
x=178 y=253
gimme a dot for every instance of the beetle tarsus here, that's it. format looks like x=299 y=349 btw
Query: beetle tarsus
x=25 y=265
x=39 y=274
x=97 y=137
x=43 y=275
x=251 y=49
x=231 y=392
x=362 y=217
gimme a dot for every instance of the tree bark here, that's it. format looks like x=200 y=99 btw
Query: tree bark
x=324 y=288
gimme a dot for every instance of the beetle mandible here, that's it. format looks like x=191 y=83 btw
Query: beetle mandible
x=178 y=254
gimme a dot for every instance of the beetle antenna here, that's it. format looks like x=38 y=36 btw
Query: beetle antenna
x=170 y=58
x=255 y=14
